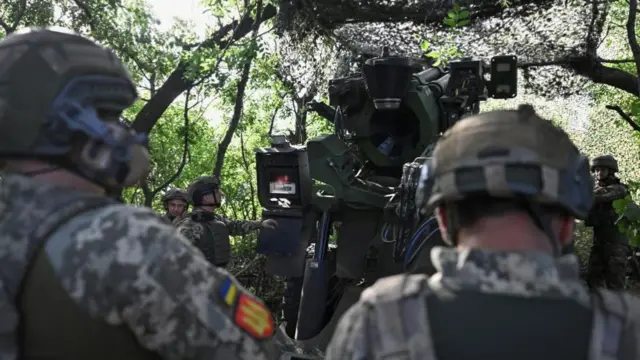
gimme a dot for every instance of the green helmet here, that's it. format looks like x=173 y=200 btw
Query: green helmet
x=58 y=87
x=508 y=154
x=605 y=161
x=200 y=187
x=174 y=194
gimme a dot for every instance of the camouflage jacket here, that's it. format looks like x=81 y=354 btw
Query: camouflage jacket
x=373 y=328
x=123 y=265
x=193 y=230
x=607 y=192
x=173 y=220
x=604 y=193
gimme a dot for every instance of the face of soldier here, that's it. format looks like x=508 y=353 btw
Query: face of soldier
x=176 y=207
x=601 y=173
x=211 y=202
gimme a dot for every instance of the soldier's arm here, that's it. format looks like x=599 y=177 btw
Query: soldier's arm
x=123 y=265
x=240 y=227
x=351 y=339
x=609 y=193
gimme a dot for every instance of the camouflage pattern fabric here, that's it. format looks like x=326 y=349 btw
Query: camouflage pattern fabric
x=608 y=258
x=193 y=230
x=123 y=265
x=398 y=301
x=168 y=218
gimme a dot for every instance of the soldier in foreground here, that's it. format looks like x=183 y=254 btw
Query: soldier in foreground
x=209 y=231
x=608 y=258
x=82 y=276
x=175 y=204
x=507 y=202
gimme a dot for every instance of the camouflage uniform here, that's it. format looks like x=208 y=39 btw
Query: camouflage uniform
x=490 y=304
x=208 y=231
x=608 y=257
x=117 y=280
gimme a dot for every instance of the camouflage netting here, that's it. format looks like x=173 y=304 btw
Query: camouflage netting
x=323 y=39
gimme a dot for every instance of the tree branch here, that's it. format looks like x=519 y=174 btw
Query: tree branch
x=245 y=162
x=17 y=17
x=593 y=68
x=185 y=151
x=273 y=119
x=146 y=192
x=626 y=117
x=633 y=41
x=237 y=110
x=177 y=82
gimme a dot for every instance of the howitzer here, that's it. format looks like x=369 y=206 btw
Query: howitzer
x=359 y=184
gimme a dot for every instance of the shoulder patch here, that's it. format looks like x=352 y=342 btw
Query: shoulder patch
x=250 y=314
x=395 y=288
x=254 y=317
x=228 y=292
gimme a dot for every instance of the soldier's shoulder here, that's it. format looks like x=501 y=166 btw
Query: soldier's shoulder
x=107 y=231
x=396 y=288
x=619 y=303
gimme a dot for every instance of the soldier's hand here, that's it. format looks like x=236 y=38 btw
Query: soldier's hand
x=269 y=224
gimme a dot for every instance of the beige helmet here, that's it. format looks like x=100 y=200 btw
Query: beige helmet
x=507 y=154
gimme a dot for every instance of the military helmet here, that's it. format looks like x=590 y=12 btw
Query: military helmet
x=58 y=87
x=174 y=194
x=200 y=187
x=508 y=154
x=605 y=161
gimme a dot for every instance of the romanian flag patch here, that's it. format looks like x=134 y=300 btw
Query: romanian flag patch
x=254 y=318
x=228 y=292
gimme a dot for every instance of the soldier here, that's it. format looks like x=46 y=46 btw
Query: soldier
x=81 y=275
x=608 y=258
x=506 y=187
x=209 y=231
x=175 y=203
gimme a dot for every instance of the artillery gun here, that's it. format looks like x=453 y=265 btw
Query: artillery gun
x=359 y=184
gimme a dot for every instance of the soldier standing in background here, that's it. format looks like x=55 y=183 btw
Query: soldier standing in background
x=608 y=258
x=175 y=204
x=81 y=275
x=209 y=231
x=506 y=187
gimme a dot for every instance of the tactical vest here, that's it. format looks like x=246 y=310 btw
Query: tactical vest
x=28 y=285
x=405 y=328
x=215 y=241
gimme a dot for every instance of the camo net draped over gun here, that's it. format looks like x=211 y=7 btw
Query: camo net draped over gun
x=352 y=31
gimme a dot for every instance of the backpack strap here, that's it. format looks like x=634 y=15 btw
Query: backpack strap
x=393 y=302
x=611 y=312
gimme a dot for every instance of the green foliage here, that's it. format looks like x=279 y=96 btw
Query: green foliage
x=455 y=19
x=628 y=221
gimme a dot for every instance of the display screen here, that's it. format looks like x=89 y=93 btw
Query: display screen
x=281 y=185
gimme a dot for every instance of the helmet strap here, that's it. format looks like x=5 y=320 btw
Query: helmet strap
x=453 y=223
x=543 y=222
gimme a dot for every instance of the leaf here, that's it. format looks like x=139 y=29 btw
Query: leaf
x=464 y=14
x=463 y=22
x=452 y=15
x=433 y=54
x=621 y=204
x=425 y=45
x=632 y=212
x=456 y=7
x=449 y=22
